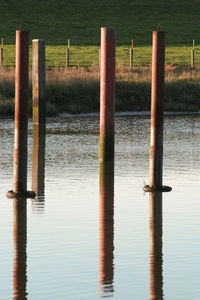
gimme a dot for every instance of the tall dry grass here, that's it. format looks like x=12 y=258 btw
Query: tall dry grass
x=77 y=90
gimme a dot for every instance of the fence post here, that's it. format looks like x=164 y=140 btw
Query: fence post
x=157 y=94
x=192 y=54
x=21 y=117
x=67 y=54
x=131 y=56
x=107 y=94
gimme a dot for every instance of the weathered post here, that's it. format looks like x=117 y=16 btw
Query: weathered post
x=67 y=54
x=192 y=54
x=157 y=94
x=21 y=117
x=156 y=260
x=107 y=94
x=106 y=227
x=39 y=110
x=131 y=57
x=19 y=245
x=38 y=81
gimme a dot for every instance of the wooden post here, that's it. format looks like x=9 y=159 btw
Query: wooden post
x=67 y=58
x=67 y=54
x=157 y=95
x=156 y=260
x=131 y=58
x=106 y=227
x=38 y=81
x=21 y=117
x=19 y=245
x=21 y=111
x=107 y=94
x=192 y=58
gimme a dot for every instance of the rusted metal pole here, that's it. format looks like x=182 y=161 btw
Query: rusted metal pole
x=68 y=43
x=156 y=258
x=1 y=56
x=157 y=95
x=19 y=244
x=2 y=42
x=38 y=159
x=106 y=227
x=21 y=111
x=107 y=94
x=21 y=117
x=38 y=81
x=131 y=58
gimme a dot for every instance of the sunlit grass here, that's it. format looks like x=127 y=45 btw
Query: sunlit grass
x=77 y=90
x=179 y=56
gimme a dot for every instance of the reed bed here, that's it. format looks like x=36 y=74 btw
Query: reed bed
x=77 y=90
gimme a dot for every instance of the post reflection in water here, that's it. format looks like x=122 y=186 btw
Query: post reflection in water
x=156 y=260
x=19 y=245
x=106 y=227
x=38 y=162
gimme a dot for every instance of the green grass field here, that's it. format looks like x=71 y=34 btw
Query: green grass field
x=80 y=21
x=84 y=56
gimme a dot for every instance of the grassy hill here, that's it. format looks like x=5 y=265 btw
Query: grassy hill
x=80 y=20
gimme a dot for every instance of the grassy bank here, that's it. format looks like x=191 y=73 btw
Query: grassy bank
x=77 y=90
x=56 y=21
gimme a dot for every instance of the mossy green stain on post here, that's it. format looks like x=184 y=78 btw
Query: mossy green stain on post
x=107 y=94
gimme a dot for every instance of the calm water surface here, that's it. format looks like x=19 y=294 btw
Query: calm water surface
x=88 y=236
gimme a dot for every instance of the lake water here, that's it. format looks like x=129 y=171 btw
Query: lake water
x=81 y=239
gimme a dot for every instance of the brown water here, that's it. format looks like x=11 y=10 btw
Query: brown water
x=86 y=238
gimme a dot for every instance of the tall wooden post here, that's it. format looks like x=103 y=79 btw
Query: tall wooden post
x=21 y=111
x=21 y=117
x=107 y=94
x=157 y=100
x=39 y=110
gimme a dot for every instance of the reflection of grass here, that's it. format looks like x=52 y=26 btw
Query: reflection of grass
x=77 y=90
x=179 y=56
